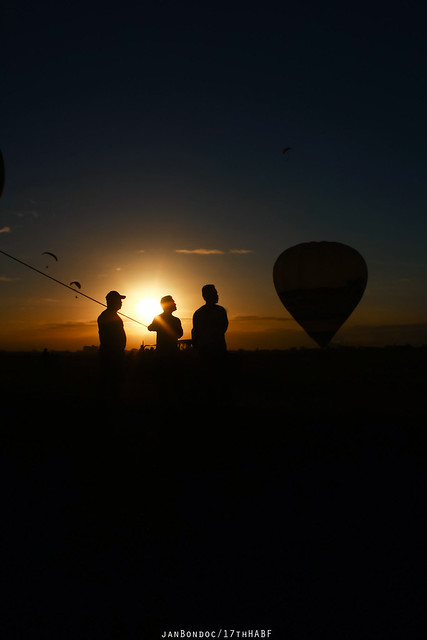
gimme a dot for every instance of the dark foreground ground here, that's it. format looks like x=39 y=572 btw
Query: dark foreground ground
x=291 y=498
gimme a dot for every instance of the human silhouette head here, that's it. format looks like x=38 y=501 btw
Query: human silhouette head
x=210 y=294
x=168 y=304
x=114 y=300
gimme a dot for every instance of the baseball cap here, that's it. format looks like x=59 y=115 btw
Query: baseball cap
x=111 y=295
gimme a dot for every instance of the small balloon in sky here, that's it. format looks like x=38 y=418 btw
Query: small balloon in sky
x=320 y=284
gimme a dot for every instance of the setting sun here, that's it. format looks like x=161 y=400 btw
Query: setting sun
x=147 y=309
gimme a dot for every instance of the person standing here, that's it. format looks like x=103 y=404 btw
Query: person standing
x=210 y=323
x=168 y=328
x=112 y=339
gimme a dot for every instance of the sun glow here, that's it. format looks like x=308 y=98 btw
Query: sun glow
x=147 y=309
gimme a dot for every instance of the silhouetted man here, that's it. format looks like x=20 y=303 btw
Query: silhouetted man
x=112 y=338
x=168 y=328
x=210 y=323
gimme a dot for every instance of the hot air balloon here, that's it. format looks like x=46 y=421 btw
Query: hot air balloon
x=320 y=284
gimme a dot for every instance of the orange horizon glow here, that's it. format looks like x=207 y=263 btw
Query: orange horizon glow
x=36 y=314
x=247 y=333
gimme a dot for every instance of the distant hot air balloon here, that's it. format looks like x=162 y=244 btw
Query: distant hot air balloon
x=49 y=253
x=320 y=284
x=1 y=173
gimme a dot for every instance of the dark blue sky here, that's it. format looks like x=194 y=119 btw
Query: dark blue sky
x=160 y=128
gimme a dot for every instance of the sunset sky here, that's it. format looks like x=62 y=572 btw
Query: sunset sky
x=143 y=146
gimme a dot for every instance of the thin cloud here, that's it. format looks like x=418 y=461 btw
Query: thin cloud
x=26 y=214
x=208 y=252
x=5 y=230
x=201 y=252
x=6 y=279
x=68 y=325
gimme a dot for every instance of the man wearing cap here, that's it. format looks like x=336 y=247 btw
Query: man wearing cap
x=112 y=338
x=168 y=328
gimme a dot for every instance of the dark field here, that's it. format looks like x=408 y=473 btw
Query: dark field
x=289 y=495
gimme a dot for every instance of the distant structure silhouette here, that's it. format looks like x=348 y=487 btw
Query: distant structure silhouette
x=112 y=338
x=168 y=328
x=210 y=322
